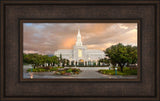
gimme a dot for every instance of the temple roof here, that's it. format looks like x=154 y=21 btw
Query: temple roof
x=64 y=51
x=94 y=51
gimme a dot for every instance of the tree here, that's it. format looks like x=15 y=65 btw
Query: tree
x=132 y=51
x=67 y=62
x=104 y=61
x=48 y=60
x=37 y=59
x=33 y=59
x=60 y=59
x=120 y=54
x=63 y=62
x=55 y=60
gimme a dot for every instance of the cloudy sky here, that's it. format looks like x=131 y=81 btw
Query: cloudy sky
x=45 y=38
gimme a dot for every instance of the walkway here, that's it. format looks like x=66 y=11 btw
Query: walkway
x=87 y=72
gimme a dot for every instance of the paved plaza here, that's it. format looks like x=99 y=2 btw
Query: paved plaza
x=87 y=72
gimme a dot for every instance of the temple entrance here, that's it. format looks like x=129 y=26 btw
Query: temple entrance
x=89 y=63
x=81 y=62
x=72 y=63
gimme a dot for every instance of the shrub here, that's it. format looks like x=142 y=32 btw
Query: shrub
x=59 y=67
x=49 y=67
x=63 y=72
x=69 y=70
x=53 y=69
x=58 y=70
x=75 y=70
x=42 y=70
x=126 y=71
x=37 y=70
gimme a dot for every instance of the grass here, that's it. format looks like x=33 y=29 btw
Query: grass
x=126 y=71
x=44 y=69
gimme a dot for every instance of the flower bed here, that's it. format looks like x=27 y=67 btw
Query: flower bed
x=67 y=71
x=57 y=70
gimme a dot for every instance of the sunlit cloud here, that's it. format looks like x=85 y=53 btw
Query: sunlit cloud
x=68 y=43
x=45 y=38
x=30 y=51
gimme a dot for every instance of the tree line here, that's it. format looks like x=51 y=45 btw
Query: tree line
x=116 y=54
x=39 y=60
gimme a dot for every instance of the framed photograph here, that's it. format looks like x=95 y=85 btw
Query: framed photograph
x=85 y=50
x=80 y=50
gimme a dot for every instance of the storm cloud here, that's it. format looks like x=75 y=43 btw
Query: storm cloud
x=45 y=38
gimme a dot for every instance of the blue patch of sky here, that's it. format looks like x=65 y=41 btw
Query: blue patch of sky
x=43 y=25
x=39 y=26
x=28 y=24
x=36 y=25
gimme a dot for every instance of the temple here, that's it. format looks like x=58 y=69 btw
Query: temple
x=80 y=55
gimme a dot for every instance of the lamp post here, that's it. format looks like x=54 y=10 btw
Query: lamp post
x=89 y=61
x=116 y=71
x=31 y=74
x=70 y=62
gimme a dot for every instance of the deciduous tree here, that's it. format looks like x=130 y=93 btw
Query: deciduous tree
x=121 y=55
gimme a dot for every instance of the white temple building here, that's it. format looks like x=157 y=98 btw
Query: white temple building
x=80 y=54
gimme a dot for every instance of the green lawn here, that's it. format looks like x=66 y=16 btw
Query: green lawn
x=126 y=71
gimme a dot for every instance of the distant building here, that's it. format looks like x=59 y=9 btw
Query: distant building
x=80 y=54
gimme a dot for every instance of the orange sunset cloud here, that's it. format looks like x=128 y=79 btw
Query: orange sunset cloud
x=46 y=38
x=68 y=43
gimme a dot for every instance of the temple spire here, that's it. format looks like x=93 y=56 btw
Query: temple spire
x=79 y=42
x=79 y=34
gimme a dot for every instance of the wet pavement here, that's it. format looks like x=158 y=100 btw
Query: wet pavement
x=87 y=72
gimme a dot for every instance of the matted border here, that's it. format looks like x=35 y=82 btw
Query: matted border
x=126 y=2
